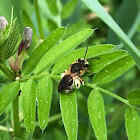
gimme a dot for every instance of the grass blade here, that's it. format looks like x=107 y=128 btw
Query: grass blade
x=27 y=21
x=98 y=9
x=52 y=6
x=68 y=9
x=122 y=16
x=38 y=18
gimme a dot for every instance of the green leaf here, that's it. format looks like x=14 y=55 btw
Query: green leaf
x=68 y=105
x=49 y=42
x=113 y=70
x=8 y=94
x=28 y=95
x=97 y=114
x=98 y=9
x=134 y=97
x=60 y=66
x=132 y=124
x=44 y=96
x=76 y=27
x=52 y=6
x=105 y=59
x=68 y=9
x=62 y=48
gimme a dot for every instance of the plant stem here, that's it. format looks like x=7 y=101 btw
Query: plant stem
x=3 y=128
x=54 y=76
x=113 y=95
x=54 y=118
x=38 y=18
x=7 y=71
x=51 y=119
x=35 y=77
x=16 y=117
x=38 y=77
x=88 y=131
x=59 y=22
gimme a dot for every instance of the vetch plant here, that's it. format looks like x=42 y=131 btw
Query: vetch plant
x=33 y=76
x=18 y=58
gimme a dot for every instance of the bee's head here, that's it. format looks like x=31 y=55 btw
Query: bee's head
x=84 y=62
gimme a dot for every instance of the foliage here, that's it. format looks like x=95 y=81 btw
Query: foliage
x=62 y=31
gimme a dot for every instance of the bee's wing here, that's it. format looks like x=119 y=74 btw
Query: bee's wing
x=66 y=84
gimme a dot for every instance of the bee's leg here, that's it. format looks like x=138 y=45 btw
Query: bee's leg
x=87 y=70
x=78 y=81
x=81 y=80
x=63 y=73
x=94 y=73
x=69 y=89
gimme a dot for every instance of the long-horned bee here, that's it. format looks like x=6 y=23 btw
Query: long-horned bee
x=72 y=76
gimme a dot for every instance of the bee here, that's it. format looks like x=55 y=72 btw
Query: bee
x=72 y=76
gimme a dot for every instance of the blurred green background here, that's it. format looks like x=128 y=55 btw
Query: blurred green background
x=79 y=17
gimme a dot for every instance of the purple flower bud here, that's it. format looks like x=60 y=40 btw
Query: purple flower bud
x=26 y=39
x=21 y=47
x=3 y=22
x=27 y=36
x=17 y=60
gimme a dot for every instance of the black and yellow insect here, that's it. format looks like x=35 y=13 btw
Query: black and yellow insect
x=72 y=76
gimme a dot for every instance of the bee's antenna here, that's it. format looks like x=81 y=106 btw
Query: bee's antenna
x=85 y=52
x=94 y=58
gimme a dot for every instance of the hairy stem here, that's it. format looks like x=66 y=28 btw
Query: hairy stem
x=16 y=117
x=113 y=95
